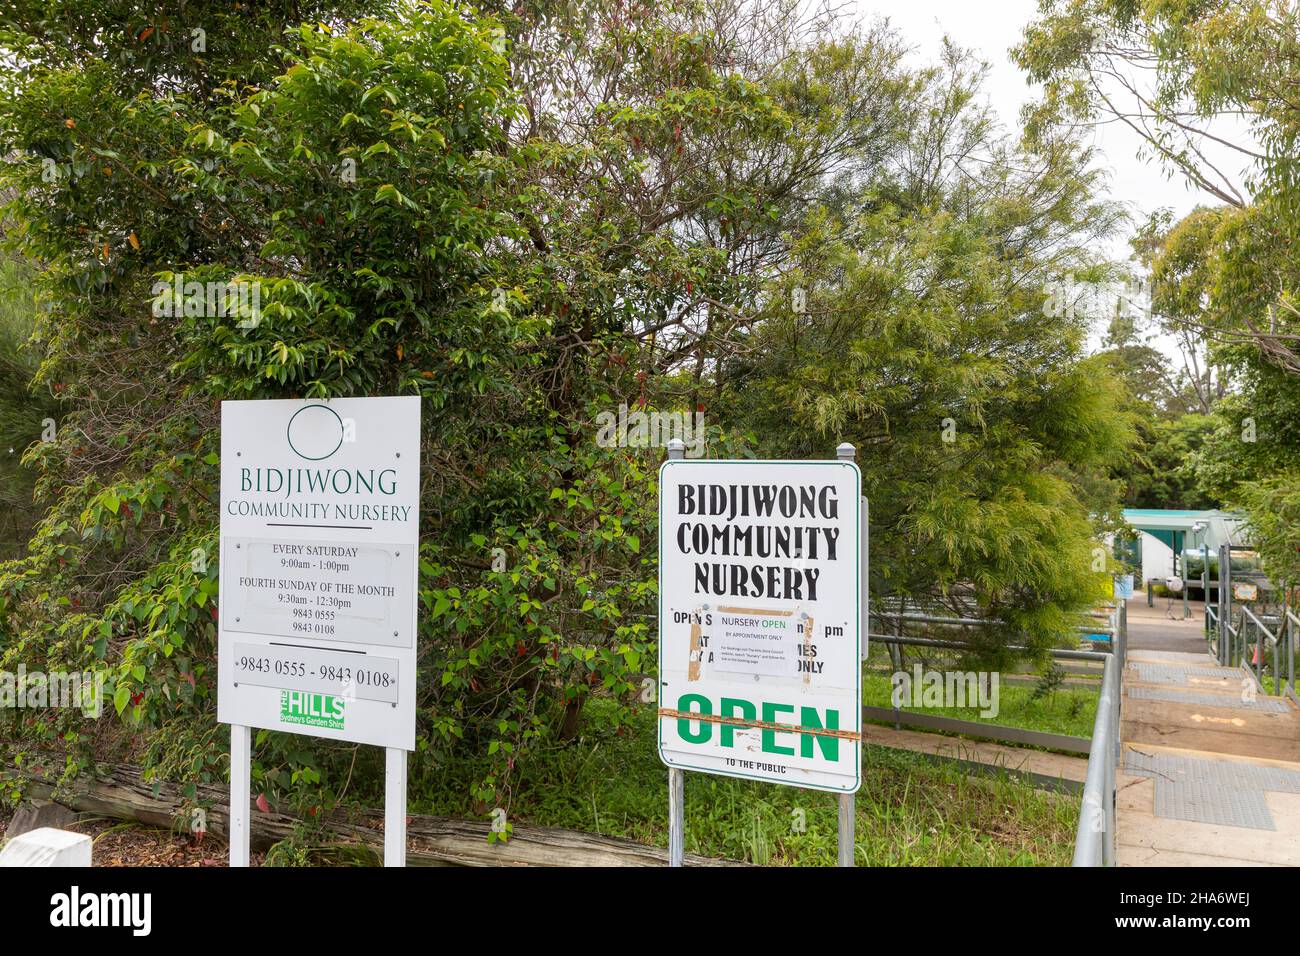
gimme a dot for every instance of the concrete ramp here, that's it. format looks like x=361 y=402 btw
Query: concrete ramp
x=1211 y=768
x=1190 y=702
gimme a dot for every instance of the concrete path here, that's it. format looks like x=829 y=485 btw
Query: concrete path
x=1162 y=627
x=1211 y=768
x=1040 y=768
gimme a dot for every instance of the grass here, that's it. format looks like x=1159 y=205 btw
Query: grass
x=1274 y=685
x=1066 y=710
x=910 y=811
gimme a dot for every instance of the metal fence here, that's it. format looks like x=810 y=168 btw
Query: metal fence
x=1095 y=837
x=1094 y=840
x=1240 y=637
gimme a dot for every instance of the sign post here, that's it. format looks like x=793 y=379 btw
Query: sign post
x=848 y=801
x=761 y=592
x=319 y=561
x=240 y=757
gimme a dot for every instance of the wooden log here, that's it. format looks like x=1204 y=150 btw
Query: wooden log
x=122 y=793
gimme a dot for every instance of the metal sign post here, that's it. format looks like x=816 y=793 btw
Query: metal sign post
x=1205 y=574
x=1224 y=613
x=848 y=801
x=762 y=569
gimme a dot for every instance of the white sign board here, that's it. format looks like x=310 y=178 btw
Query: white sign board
x=320 y=527
x=760 y=584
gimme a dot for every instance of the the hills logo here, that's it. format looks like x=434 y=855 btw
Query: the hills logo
x=311 y=710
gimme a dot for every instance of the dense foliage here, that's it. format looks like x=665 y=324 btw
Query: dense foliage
x=984 y=434
x=527 y=216
x=1209 y=86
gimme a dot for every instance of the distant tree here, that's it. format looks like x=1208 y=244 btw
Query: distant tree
x=1209 y=86
x=918 y=332
x=1171 y=414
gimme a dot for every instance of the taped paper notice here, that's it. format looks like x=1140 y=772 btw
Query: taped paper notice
x=750 y=641
x=693 y=668
x=807 y=649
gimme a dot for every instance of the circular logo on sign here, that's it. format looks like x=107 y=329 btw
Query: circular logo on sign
x=315 y=432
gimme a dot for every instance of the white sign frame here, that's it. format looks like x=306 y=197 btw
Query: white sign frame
x=320 y=519
x=849 y=596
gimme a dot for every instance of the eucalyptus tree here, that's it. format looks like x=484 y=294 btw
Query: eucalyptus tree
x=1209 y=88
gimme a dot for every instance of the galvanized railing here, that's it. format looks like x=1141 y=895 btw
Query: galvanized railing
x=1230 y=643
x=1094 y=842
x=1282 y=643
x=1232 y=646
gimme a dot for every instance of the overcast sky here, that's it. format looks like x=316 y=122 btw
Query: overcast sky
x=991 y=29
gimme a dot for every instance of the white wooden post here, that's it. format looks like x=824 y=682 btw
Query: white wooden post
x=240 y=758
x=394 y=806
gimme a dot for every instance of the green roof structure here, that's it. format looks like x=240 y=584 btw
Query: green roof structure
x=1188 y=529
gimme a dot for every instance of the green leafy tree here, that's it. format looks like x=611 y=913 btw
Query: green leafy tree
x=527 y=215
x=1208 y=86
x=353 y=189
x=428 y=204
x=27 y=415
x=1160 y=471
x=918 y=332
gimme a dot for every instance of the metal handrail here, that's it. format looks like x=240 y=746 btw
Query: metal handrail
x=1063 y=653
x=1287 y=621
x=1230 y=643
x=973 y=621
x=1094 y=840
x=1277 y=641
x=1258 y=623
